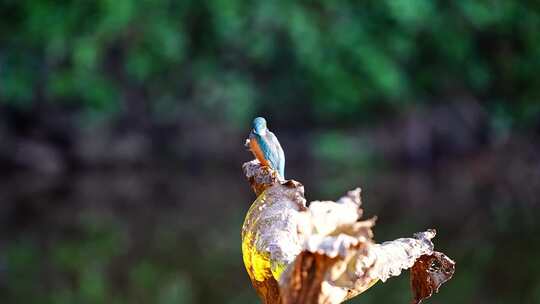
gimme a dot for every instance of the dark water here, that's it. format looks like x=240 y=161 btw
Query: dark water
x=171 y=235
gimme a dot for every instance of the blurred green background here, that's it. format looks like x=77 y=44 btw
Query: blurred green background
x=122 y=127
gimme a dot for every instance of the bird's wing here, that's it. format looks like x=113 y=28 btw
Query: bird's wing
x=276 y=155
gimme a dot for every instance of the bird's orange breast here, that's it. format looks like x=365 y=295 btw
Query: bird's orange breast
x=256 y=150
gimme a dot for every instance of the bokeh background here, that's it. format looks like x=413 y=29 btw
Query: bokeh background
x=122 y=126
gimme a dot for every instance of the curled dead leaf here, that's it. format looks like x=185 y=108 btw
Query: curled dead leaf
x=428 y=273
x=323 y=252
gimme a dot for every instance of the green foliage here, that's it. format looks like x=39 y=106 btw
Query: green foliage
x=342 y=58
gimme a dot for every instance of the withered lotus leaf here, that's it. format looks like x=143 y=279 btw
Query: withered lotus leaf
x=323 y=252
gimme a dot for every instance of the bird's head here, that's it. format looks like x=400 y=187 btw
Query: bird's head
x=259 y=125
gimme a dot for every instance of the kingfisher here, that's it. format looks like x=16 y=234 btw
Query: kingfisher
x=265 y=147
